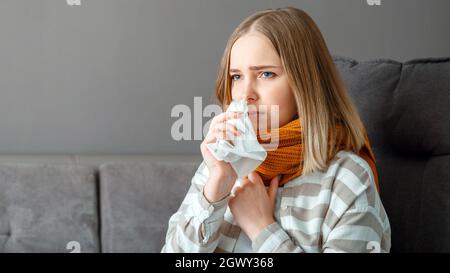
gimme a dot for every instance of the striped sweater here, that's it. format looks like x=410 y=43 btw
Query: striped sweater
x=337 y=210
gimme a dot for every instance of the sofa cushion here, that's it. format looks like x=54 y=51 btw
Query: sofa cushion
x=371 y=86
x=137 y=201
x=421 y=108
x=44 y=207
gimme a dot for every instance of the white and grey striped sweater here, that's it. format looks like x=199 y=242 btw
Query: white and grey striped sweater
x=338 y=210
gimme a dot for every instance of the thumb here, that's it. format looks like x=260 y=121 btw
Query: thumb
x=273 y=188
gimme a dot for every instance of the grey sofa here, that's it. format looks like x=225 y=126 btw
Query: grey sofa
x=122 y=204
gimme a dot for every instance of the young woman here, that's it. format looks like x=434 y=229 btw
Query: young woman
x=317 y=192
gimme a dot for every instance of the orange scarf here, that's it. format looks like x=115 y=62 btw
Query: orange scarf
x=287 y=159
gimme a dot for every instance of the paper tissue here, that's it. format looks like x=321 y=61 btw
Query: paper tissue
x=244 y=153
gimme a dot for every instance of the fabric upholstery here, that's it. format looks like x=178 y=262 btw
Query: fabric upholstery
x=405 y=107
x=137 y=201
x=44 y=207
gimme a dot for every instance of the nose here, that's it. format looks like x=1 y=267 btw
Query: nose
x=249 y=94
x=250 y=100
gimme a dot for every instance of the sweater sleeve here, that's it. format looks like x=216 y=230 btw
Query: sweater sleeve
x=363 y=226
x=358 y=230
x=195 y=226
x=356 y=223
x=274 y=239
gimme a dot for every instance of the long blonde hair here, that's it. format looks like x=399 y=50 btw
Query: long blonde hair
x=320 y=94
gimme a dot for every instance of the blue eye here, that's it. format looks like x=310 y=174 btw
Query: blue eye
x=235 y=77
x=267 y=74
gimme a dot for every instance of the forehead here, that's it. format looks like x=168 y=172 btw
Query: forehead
x=253 y=49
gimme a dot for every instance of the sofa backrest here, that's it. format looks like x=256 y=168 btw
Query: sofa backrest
x=406 y=110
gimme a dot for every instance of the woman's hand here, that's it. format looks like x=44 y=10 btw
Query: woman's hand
x=222 y=175
x=253 y=206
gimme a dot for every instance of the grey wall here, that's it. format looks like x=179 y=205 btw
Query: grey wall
x=102 y=78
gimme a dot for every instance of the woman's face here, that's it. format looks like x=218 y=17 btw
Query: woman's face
x=257 y=76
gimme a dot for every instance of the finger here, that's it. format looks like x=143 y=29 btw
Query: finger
x=255 y=178
x=226 y=127
x=210 y=138
x=245 y=181
x=224 y=117
x=229 y=115
x=237 y=190
x=214 y=136
x=273 y=188
x=231 y=202
x=223 y=128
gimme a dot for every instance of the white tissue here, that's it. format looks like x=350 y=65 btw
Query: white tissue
x=244 y=153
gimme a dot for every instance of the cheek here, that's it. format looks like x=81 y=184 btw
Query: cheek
x=286 y=103
x=235 y=93
x=276 y=95
x=285 y=93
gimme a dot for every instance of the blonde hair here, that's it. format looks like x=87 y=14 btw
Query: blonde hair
x=320 y=94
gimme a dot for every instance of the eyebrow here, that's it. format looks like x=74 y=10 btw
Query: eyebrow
x=256 y=67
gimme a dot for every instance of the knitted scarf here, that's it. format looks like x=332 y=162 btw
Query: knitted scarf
x=287 y=159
